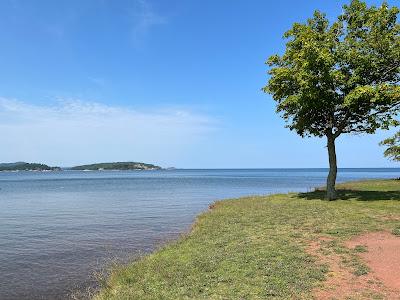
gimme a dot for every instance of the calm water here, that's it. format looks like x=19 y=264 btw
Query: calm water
x=57 y=228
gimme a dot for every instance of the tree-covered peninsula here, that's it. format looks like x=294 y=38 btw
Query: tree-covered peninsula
x=24 y=166
x=117 y=166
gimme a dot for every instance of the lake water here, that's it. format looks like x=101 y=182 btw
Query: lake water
x=57 y=228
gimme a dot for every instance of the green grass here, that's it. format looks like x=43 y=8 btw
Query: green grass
x=255 y=247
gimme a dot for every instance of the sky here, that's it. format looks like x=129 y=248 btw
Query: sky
x=175 y=83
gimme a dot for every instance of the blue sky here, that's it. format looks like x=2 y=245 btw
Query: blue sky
x=176 y=83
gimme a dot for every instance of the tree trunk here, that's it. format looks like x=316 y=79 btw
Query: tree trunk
x=331 y=180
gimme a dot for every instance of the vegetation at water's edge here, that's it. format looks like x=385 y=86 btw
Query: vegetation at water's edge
x=24 y=166
x=255 y=247
x=118 y=166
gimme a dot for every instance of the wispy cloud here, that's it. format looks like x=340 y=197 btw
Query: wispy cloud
x=99 y=81
x=73 y=131
x=144 y=17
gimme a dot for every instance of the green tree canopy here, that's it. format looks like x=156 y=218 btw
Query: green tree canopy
x=340 y=77
x=393 y=147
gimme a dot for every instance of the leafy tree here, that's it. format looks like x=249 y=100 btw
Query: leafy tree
x=393 y=147
x=340 y=77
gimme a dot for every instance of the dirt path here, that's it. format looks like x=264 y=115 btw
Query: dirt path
x=380 y=251
x=382 y=256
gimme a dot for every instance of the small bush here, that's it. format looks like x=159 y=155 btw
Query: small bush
x=361 y=270
x=396 y=231
x=360 y=249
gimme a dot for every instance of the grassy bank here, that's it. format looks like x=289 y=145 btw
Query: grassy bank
x=256 y=247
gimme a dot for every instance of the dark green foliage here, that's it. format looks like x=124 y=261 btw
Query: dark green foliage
x=396 y=231
x=23 y=166
x=118 y=166
x=393 y=147
x=341 y=77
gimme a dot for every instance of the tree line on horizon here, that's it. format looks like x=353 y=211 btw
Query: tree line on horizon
x=24 y=166
x=340 y=78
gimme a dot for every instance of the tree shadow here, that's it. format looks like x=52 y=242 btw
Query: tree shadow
x=354 y=195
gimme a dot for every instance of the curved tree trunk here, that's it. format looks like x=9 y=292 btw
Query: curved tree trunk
x=331 y=180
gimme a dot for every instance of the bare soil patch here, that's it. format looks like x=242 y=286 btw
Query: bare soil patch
x=382 y=256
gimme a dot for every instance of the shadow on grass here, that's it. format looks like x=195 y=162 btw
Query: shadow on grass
x=354 y=195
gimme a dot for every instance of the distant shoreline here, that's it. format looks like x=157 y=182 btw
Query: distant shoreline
x=123 y=166
x=57 y=169
x=111 y=166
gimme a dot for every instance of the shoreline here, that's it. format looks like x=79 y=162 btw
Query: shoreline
x=192 y=267
x=172 y=217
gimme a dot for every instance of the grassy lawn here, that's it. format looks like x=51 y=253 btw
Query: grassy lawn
x=256 y=247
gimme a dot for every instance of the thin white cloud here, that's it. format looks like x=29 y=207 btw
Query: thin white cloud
x=144 y=18
x=74 y=131
x=98 y=81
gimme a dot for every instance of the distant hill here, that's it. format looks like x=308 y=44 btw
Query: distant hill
x=24 y=166
x=117 y=166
